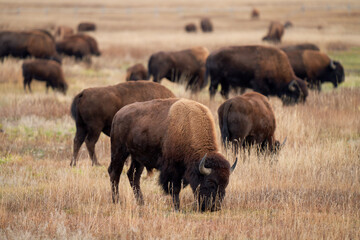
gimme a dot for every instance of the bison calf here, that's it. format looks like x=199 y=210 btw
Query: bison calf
x=275 y=33
x=248 y=120
x=136 y=72
x=94 y=108
x=177 y=137
x=44 y=70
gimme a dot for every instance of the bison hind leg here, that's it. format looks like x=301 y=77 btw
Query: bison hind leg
x=134 y=174
x=90 y=141
x=119 y=154
x=79 y=138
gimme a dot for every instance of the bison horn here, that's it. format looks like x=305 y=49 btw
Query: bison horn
x=332 y=65
x=233 y=166
x=203 y=170
x=291 y=86
x=282 y=145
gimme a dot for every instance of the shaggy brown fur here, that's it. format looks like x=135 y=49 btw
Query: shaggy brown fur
x=275 y=33
x=266 y=70
x=44 y=70
x=190 y=27
x=316 y=67
x=86 y=26
x=34 y=43
x=206 y=25
x=187 y=64
x=175 y=147
x=302 y=46
x=94 y=108
x=247 y=120
x=63 y=31
x=136 y=72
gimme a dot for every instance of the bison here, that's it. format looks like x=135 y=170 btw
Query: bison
x=255 y=13
x=301 y=46
x=206 y=25
x=35 y=43
x=316 y=68
x=94 y=108
x=78 y=45
x=63 y=31
x=86 y=26
x=248 y=120
x=275 y=33
x=136 y=72
x=190 y=27
x=183 y=148
x=44 y=70
x=266 y=70
x=187 y=64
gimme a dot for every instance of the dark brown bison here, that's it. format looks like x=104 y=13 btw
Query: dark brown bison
x=186 y=65
x=48 y=71
x=86 y=26
x=255 y=13
x=288 y=24
x=301 y=46
x=183 y=148
x=36 y=43
x=190 y=27
x=78 y=45
x=275 y=33
x=316 y=68
x=63 y=31
x=136 y=72
x=248 y=120
x=266 y=70
x=94 y=108
x=206 y=25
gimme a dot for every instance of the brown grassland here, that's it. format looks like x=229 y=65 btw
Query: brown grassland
x=311 y=190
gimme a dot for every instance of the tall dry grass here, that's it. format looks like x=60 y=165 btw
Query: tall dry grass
x=311 y=190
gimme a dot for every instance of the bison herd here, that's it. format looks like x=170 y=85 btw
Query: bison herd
x=146 y=121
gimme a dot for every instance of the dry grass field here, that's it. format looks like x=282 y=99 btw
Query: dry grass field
x=311 y=190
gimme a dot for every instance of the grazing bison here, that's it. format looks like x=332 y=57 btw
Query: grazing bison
x=302 y=46
x=44 y=70
x=316 y=68
x=183 y=148
x=94 y=108
x=188 y=65
x=136 y=72
x=190 y=27
x=247 y=120
x=86 y=26
x=255 y=13
x=288 y=24
x=275 y=33
x=78 y=45
x=36 y=43
x=266 y=70
x=63 y=31
x=206 y=25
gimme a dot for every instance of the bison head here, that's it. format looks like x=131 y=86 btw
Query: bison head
x=216 y=171
x=296 y=91
x=62 y=87
x=337 y=73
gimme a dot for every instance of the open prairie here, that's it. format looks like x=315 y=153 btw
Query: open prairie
x=310 y=190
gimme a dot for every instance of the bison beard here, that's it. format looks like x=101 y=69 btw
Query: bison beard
x=183 y=148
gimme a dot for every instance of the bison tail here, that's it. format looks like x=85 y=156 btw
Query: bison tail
x=225 y=135
x=74 y=106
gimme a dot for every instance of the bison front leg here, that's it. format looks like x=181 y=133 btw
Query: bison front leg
x=118 y=158
x=134 y=174
x=171 y=183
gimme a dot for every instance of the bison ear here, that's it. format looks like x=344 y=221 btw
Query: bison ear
x=203 y=170
x=332 y=65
